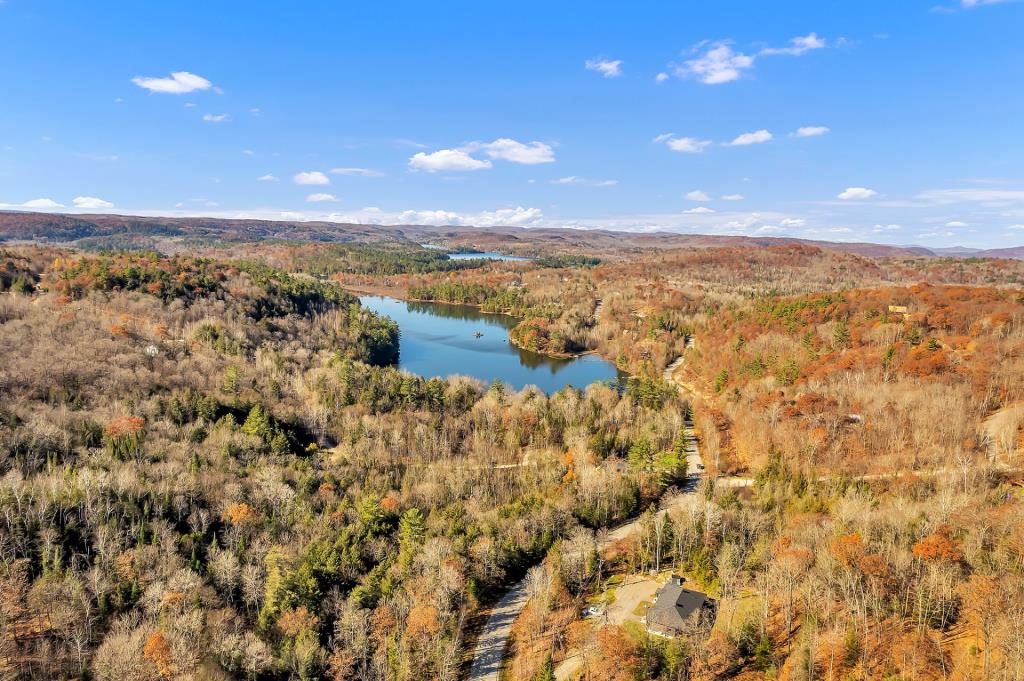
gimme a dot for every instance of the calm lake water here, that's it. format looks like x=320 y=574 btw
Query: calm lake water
x=438 y=339
x=485 y=256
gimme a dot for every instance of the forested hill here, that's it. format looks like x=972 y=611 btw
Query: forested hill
x=118 y=231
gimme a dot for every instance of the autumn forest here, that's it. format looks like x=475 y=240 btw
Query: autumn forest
x=212 y=466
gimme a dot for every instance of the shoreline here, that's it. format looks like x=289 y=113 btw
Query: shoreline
x=553 y=355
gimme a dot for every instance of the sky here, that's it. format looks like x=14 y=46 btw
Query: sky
x=891 y=122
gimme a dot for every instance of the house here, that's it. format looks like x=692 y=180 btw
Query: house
x=676 y=609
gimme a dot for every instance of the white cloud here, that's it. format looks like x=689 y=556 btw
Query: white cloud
x=857 y=194
x=248 y=152
x=320 y=198
x=179 y=83
x=792 y=222
x=446 y=160
x=811 y=131
x=661 y=77
x=756 y=137
x=731 y=197
x=968 y=4
x=215 y=118
x=42 y=203
x=311 y=177
x=34 y=204
x=514 y=217
x=956 y=223
x=606 y=67
x=797 y=46
x=887 y=228
x=361 y=172
x=91 y=202
x=506 y=149
x=255 y=111
x=269 y=177
x=719 y=63
x=572 y=179
x=700 y=210
x=684 y=145
x=1016 y=226
x=698 y=195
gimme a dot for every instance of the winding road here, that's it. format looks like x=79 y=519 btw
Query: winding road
x=493 y=640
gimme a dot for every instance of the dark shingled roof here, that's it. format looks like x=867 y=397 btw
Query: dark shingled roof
x=674 y=608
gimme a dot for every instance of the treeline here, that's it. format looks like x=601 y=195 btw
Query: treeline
x=511 y=300
x=380 y=259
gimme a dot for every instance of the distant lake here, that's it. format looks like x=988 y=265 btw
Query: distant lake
x=438 y=339
x=485 y=256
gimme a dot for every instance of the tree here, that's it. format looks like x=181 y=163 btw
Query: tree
x=841 y=334
x=158 y=651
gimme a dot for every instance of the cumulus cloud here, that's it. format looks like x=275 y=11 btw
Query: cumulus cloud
x=511 y=217
x=311 y=177
x=732 y=197
x=320 y=198
x=747 y=138
x=360 y=172
x=661 y=77
x=797 y=46
x=700 y=210
x=684 y=145
x=91 y=202
x=505 y=149
x=446 y=160
x=718 y=63
x=215 y=118
x=811 y=131
x=572 y=179
x=179 y=83
x=857 y=194
x=956 y=223
x=35 y=204
x=698 y=195
x=606 y=67
x=886 y=228
x=267 y=178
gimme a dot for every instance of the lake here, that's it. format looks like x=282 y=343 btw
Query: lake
x=483 y=255
x=438 y=339
x=486 y=256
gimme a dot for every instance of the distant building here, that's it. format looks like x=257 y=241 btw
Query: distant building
x=675 y=610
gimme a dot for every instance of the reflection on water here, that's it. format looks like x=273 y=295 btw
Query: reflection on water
x=438 y=339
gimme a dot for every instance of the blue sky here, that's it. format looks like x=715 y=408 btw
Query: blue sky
x=896 y=122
